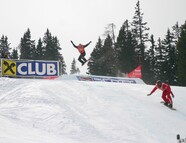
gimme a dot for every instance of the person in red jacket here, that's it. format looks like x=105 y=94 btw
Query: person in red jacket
x=166 y=92
x=81 y=49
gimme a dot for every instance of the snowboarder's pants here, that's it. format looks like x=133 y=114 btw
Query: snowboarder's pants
x=82 y=58
x=166 y=96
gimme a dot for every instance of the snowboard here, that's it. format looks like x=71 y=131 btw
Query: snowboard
x=88 y=60
x=162 y=102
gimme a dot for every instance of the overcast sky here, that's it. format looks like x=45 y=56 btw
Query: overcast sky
x=83 y=20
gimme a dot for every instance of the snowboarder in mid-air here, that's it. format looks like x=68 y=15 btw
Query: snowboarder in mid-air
x=166 y=93
x=81 y=49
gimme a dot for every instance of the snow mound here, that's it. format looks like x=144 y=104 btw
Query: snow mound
x=66 y=110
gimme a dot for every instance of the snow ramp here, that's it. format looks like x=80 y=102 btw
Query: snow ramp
x=72 y=111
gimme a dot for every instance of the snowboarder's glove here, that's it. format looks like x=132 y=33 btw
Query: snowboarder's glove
x=172 y=95
x=148 y=94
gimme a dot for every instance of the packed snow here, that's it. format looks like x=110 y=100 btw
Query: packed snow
x=66 y=110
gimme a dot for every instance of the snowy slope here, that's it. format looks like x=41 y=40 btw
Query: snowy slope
x=71 y=111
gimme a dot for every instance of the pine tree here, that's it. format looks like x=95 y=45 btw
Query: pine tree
x=4 y=47
x=169 y=65
x=176 y=31
x=14 y=54
x=63 y=65
x=95 y=66
x=109 y=30
x=34 y=53
x=109 y=66
x=56 y=50
x=181 y=45
x=126 y=45
x=139 y=29
x=40 y=50
x=149 y=63
x=74 y=69
x=48 y=46
x=27 y=46
x=104 y=59
x=159 y=58
x=51 y=46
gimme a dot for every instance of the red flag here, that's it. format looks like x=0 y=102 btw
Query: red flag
x=136 y=73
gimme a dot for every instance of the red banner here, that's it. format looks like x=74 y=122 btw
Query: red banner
x=136 y=73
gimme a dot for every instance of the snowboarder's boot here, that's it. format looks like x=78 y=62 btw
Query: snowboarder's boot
x=170 y=105
x=166 y=104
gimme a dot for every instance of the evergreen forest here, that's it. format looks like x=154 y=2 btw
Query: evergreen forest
x=117 y=55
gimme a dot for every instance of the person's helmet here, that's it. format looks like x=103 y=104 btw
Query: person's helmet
x=159 y=83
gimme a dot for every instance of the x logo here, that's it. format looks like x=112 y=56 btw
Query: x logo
x=9 y=67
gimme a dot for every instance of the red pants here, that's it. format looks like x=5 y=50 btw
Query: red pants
x=166 y=97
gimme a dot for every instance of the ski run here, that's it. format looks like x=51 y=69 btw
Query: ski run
x=66 y=110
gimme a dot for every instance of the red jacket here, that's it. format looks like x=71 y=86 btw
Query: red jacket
x=164 y=87
x=80 y=47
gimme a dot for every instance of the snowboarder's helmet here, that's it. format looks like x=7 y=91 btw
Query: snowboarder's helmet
x=159 y=83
